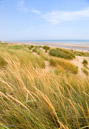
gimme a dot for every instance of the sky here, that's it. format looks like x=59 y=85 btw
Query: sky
x=44 y=20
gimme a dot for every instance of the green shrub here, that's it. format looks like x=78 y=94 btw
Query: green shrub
x=61 y=53
x=85 y=62
x=46 y=48
x=78 y=53
x=31 y=47
x=69 y=52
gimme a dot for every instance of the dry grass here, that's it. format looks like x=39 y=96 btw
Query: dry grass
x=33 y=99
x=64 y=63
x=85 y=71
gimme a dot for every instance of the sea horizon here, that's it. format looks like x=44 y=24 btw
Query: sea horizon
x=71 y=44
x=76 y=42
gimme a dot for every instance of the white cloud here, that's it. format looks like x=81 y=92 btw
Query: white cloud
x=35 y=11
x=20 y=6
x=56 y=17
x=20 y=3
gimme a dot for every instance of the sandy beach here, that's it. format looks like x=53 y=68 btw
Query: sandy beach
x=78 y=47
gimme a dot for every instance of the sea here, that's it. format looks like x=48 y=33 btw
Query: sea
x=80 y=42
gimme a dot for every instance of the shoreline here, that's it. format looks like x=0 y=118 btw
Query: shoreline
x=61 y=45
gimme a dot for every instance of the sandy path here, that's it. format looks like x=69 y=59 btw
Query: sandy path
x=47 y=66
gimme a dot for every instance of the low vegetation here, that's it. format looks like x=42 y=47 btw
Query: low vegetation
x=2 y=62
x=66 y=54
x=34 y=98
x=37 y=50
x=79 y=53
x=65 y=64
x=85 y=62
x=16 y=47
x=46 y=48
x=31 y=47
x=85 y=71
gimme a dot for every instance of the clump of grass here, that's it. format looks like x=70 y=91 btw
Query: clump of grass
x=87 y=67
x=28 y=57
x=85 y=71
x=70 y=52
x=30 y=47
x=3 y=63
x=16 y=47
x=79 y=53
x=61 y=53
x=46 y=48
x=65 y=64
x=38 y=51
x=34 y=50
x=85 y=62
x=59 y=69
x=2 y=126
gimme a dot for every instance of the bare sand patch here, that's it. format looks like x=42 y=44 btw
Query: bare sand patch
x=78 y=61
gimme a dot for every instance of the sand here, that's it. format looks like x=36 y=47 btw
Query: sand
x=61 y=45
x=78 y=61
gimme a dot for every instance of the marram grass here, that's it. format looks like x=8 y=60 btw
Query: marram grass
x=32 y=98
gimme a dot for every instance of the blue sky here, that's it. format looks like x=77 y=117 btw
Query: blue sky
x=44 y=19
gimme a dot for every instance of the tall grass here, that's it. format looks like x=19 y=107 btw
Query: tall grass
x=31 y=98
x=64 y=63
x=85 y=71
x=27 y=58
x=2 y=62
